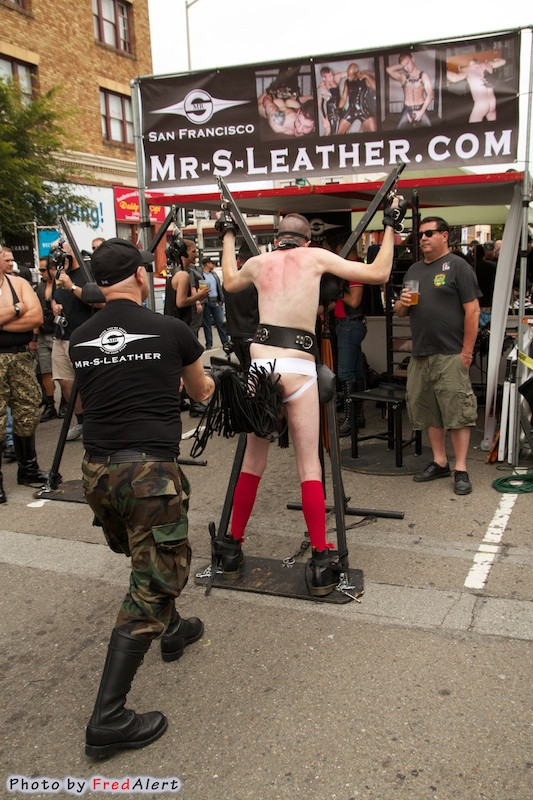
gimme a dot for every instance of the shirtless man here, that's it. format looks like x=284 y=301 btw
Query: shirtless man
x=417 y=91
x=475 y=73
x=290 y=116
x=288 y=287
x=330 y=94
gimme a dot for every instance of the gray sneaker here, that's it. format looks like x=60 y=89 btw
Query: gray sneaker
x=75 y=432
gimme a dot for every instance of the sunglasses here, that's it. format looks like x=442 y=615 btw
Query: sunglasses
x=429 y=233
x=43 y=270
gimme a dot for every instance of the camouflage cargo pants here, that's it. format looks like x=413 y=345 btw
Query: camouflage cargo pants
x=19 y=389
x=142 y=508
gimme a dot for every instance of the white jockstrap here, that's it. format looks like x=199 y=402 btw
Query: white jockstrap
x=295 y=366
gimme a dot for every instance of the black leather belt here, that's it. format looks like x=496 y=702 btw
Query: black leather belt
x=293 y=338
x=126 y=457
x=18 y=348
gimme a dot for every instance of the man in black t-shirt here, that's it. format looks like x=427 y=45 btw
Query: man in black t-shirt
x=444 y=324
x=129 y=361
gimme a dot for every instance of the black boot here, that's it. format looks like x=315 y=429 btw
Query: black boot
x=230 y=555
x=345 y=427
x=3 y=498
x=179 y=634
x=28 y=471
x=49 y=411
x=63 y=406
x=322 y=572
x=113 y=727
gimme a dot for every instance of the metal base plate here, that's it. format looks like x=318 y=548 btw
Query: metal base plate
x=68 y=491
x=377 y=459
x=268 y=576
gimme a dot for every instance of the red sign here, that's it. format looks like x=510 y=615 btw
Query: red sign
x=127 y=206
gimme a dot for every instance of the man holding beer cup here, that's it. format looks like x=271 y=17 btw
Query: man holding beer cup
x=440 y=294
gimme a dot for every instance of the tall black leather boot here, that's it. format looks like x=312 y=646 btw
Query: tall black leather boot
x=113 y=727
x=3 y=498
x=345 y=427
x=28 y=471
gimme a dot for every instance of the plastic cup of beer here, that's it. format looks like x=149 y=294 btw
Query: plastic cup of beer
x=202 y=285
x=413 y=288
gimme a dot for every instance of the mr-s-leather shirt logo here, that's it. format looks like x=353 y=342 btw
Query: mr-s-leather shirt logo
x=113 y=340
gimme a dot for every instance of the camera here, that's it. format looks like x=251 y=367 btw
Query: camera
x=60 y=324
x=176 y=250
x=59 y=258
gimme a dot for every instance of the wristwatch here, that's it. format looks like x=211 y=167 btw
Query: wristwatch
x=16 y=309
x=73 y=287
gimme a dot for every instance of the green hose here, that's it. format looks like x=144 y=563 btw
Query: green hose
x=514 y=484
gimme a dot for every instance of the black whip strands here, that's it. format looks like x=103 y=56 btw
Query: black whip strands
x=242 y=403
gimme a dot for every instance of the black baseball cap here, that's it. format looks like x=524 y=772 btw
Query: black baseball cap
x=117 y=259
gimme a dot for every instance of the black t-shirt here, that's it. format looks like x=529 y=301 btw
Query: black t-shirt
x=437 y=322
x=46 y=303
x=74 y=311
x=128 y=362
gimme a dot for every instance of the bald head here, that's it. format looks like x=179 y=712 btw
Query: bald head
x=294 y=224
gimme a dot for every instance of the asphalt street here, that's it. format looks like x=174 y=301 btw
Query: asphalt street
x=421 y=690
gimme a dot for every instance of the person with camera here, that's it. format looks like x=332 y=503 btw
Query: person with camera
x=69 y=313
x=288 y=288
x=129 y=363
x=20 y=313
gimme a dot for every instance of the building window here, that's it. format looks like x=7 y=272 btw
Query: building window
x=17 y=70
x=112 y=23
x=117 y=117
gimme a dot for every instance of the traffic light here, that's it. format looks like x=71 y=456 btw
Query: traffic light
x=187 y=217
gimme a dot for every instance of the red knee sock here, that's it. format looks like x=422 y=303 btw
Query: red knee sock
x=243 y=502
x=314 y=510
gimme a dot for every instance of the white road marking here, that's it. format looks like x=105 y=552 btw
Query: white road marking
x=490 y=546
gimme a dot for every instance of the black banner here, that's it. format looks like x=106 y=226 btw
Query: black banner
x=435 y=106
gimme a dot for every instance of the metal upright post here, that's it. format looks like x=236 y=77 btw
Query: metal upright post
x=144 y=222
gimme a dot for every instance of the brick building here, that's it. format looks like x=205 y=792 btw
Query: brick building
x=92 y=49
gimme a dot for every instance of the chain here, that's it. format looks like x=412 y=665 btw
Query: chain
x=291 y=560
x=207 y=572
x=344 y=587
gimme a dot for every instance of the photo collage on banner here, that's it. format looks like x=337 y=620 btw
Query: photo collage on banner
x=435 y=106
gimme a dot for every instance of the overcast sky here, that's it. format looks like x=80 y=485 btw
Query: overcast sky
x=229 y=32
